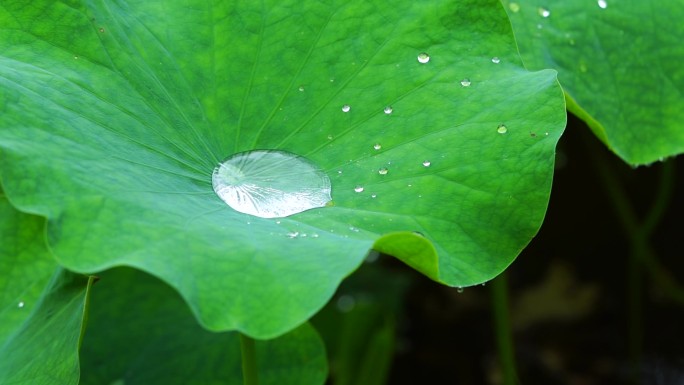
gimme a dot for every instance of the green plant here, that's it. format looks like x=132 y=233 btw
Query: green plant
x=114 y=115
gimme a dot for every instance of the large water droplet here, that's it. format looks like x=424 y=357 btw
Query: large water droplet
x=543 y=12
x=270 y=183
x=423 y=58
x=602 y=4
x=465 y=82
x=388 y=110
x=426 y=163
x=346 y=108
x=502 y=129
x=358 y=189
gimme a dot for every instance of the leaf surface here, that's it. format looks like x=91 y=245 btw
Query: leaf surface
x=141 y=332
x=619 y=62
x=114 y=115
x=44 y=349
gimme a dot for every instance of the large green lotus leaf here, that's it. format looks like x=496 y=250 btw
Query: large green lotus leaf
x=44 y=349
x=619 y=63
x=114 y=115
x=141 y=332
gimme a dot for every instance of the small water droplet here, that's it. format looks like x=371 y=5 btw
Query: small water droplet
x=426 y=163
x=330 y=137
x=423 y=57
x=459 y=290
x=383 y=171
x=301 y=88
x=374 y=195
x=20 y=304
x=502 y=129
x=465 y=82
x=358 y=189
x=346 y=108
x=270 y=183
x=314 y=235
x=602 y=4
x=354 y=229
x=496 y=60
x=346 y=303
x=543 y=12
x=377 y=146
x=339 y=171
x=293 y=234
x=514 y=7
x=75 y=57
x=101 y=30
x=332 y=80
x=388 y=110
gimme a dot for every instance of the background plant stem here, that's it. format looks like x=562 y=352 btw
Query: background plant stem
x=249 y=364
x=502 y=326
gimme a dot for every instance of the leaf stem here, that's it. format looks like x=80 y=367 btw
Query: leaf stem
x=502 y=327
x=249 y=364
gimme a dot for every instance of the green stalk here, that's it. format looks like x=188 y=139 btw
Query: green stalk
x=502 y=326
x=249 y=364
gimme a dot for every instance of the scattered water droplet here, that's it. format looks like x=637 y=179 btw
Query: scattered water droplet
x=314 y=235
x=459 y=290
x=301 y=88
x=354 y=229
x=101 y=30
x=346 y=303
x=346 y=108
x=502 y=129
x=426 y=163
x=75 y=57
x=496 y=60
x=293 y=234
x=383 y=171
x=330 y=137
x=465 y=82
x=377 y=146
x=374 y=195
x=602 y=4
x=543 y=12
x=270 y=183
x=20 y=304
x=388 y=110
x=358 y=189
x=423 y=57
x=514 y=7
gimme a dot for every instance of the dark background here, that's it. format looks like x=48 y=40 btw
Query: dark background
x=585 y=308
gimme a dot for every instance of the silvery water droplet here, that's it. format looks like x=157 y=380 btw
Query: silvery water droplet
x=374 y=195
x=459 y=290
x=423 y=58
x=301 y=88
x=293 y=234
x=358 y=189
x=496 y=60
x=383 y=171
x=346 y=108
x=426 y=163
x=602 y=4
x=502 y=129
x=270 y=183
x=388 y=110
x=465 y=82
x=543 y=12
x=377 y=146
x=21 y=304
